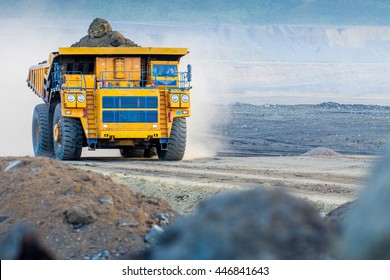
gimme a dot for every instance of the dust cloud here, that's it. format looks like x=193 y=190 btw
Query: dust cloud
x=206 y=97
x=24 y=43
x=202 y=142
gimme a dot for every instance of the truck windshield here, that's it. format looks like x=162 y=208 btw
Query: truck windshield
x=164 y=70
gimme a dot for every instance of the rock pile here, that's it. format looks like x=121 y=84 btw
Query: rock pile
x=77 y=214
x=100 y=34
x=321 y=151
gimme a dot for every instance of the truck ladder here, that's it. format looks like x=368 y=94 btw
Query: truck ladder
x=163 y=114
x=92 y=134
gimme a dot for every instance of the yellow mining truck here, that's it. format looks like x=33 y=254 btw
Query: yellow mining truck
x=132 y=99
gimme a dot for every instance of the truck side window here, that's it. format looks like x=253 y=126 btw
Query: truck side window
x=163 y=70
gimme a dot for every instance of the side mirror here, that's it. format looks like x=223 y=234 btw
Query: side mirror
x=189 y=72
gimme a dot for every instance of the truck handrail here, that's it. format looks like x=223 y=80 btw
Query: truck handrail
x=128 y=81
x=76 y=79
x=56 y=76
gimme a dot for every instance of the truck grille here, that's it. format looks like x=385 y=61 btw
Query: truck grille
x=130 y=102
x=130 y=116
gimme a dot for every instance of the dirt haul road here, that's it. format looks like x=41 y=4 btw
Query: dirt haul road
x=327 y=181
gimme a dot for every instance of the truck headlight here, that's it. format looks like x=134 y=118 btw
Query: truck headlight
x=175 y=98
x=80 y=98
x=185 y=98
x=71 y=98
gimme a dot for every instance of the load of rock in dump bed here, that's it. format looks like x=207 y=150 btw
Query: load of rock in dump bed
x=100 y=34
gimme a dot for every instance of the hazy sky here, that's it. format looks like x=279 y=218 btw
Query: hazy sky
x=328 y=12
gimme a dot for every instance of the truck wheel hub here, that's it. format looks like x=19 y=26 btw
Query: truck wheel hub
x=57 y=132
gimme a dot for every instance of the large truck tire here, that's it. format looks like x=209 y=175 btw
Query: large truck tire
x=150 y=152
x=177 y=141
x=42 y=133
x=131 y=152
x=68 y=135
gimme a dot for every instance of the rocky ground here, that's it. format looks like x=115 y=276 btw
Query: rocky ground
x=80 y=214
x=294 y=129
x=327 y=181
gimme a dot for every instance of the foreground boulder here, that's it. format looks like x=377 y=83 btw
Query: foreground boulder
x=254 y=224
x=366 y=233
x=23 y=243
x=336 y=218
